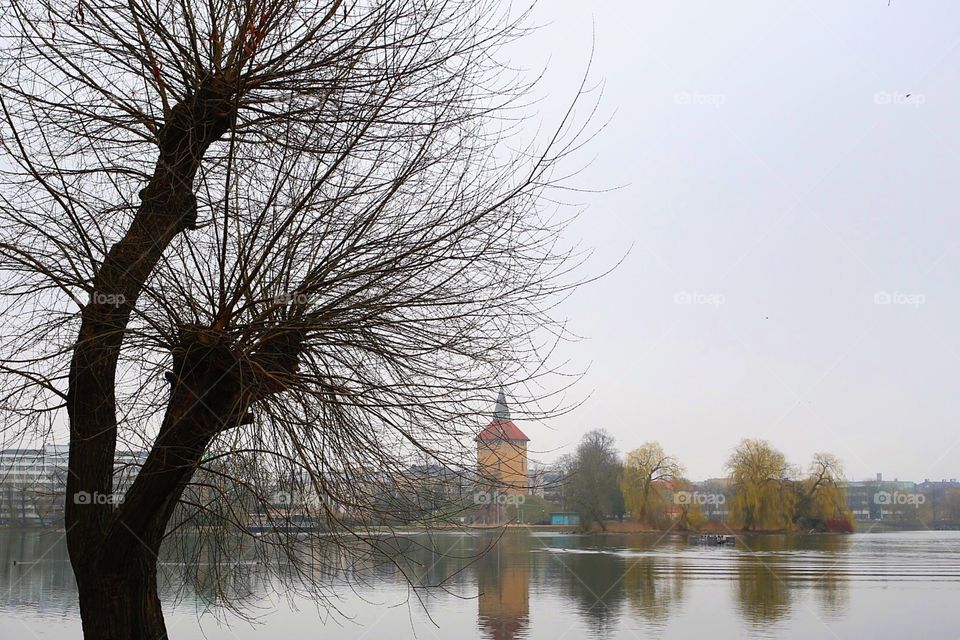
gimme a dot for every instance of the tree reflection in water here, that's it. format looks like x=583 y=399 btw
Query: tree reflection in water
x=777 y=565
x=607 y=580
x=654 y=588
x=593 y=580
x=762 y=592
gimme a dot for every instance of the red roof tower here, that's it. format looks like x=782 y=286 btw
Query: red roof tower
x=502 y=427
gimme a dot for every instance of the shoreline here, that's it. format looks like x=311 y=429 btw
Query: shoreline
x=613 y=528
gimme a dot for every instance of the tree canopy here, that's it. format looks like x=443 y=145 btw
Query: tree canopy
x=593 y=473
x=265 y=239
x=760 y=478
x=645 y=468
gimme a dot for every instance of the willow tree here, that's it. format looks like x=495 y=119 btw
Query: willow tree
x=763 y=494
x=645 y=468
x=821 y=496
x=263 y=239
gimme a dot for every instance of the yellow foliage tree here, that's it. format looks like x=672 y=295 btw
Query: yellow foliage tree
x=822 y=500
x=763 y=495
x=690 y=516
x=645 y=468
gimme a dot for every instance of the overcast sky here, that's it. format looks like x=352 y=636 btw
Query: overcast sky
x=781 y=186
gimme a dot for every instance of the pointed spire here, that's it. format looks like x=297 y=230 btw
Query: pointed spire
x=501 y=411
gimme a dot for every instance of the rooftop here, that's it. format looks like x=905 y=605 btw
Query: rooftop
x=502 y=427
x=502 y=430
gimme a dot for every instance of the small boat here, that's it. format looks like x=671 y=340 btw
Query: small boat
x=711 y=539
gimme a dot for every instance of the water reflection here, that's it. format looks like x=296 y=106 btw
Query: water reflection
x=773 y=567
x=762 y=593
x=503 y=586
x=35 y=574
x=593 y=580
x=544 y=584
x=654 y=589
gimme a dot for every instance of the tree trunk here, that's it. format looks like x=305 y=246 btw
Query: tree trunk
x=122 y=603
x=117 y=579
x=113 y=549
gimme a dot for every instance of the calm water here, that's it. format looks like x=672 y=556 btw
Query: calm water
x=558 y=587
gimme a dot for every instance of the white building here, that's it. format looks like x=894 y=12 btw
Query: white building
x=32 y=485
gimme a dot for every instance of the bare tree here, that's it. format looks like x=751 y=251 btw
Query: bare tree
x=274 y=244
x=594 y=472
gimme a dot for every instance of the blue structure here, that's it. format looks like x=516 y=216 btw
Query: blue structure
x=565 y=519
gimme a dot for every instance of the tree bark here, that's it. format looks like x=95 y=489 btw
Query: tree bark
x=113 y=550
x=117 y=579
x=122 y=601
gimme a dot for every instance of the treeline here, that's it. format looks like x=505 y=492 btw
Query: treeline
x=762 y=491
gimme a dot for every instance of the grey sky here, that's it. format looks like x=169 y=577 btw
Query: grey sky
x=775 y=165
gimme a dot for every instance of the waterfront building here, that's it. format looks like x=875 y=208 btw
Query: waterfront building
x=502 y=453
x=33 y=483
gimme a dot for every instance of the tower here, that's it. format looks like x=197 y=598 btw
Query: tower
x=502 y=452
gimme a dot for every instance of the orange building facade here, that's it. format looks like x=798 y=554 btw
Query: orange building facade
x=502 y=453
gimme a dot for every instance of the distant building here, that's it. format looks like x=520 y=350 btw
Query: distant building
x=445 y=483
x=714 y=496
x=126 y=466
x=938 y=485
x=937 y=492
x=33 y=483
x=874 y=499
x=711 y=497
x=502 y=453
x=547 y=482
x=860 y=500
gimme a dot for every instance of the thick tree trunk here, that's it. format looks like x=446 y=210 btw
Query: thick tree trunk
x=122 y=603
x=113 y=550
x=117 y=578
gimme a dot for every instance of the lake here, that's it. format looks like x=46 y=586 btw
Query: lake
x=550 y=586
